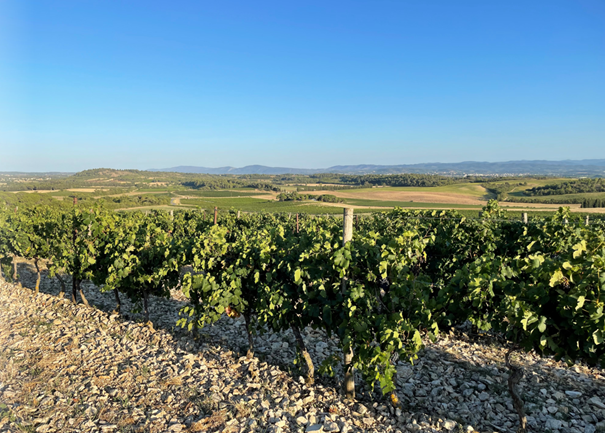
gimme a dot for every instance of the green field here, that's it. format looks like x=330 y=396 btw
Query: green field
x=160 y=189
x=261 y=205
x=219 y=193
x=381 y=203
x=466 y=195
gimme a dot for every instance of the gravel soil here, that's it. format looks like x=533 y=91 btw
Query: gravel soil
x=71 y=368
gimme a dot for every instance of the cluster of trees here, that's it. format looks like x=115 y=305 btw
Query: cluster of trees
x=326 y=187
x=295 y=196
x=555 y=200
x=593 y=202
x=578 y=186
x=419 y=180
x=219 y=182
x=329 y=198
x=126 y=201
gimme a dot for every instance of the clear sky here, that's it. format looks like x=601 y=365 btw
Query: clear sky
x=154 y=84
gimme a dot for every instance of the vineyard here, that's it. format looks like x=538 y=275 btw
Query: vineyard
x=378 y=285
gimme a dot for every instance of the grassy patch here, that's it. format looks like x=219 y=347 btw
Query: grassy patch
x=385 y=203
x=227 y=203
x=157 y=189
x=247 y=204
x=222 y=193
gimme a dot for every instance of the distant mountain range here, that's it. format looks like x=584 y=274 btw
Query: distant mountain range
x=585 y=167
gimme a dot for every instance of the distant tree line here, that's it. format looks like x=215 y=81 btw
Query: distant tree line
x=545 y=201
x=126 y=201
x=369 y=180
x=295 y=196
x=326 y=187
x=593 y=202
x=572 y=187
x=229 y=183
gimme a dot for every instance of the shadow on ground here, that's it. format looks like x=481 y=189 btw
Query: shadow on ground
x=461 y=378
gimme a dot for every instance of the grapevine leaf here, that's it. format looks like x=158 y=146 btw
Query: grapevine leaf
x=556 y=277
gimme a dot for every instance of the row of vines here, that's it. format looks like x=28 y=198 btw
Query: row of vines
x=404 y=276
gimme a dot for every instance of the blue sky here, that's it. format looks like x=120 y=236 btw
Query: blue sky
x=144 y=84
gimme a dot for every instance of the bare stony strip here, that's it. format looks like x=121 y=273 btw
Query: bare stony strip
x=72 y=368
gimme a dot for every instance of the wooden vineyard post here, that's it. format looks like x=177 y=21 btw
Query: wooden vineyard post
x=171 y=214
x=587 y=220
x=525 y=218
x=215 y=215
x=349 y=382
x=237 y=214
x=297 y=223
x=348 y=225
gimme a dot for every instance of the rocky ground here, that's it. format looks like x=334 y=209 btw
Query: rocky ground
x=69 y=368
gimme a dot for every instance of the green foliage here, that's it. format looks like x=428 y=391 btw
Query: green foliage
x=545 y=294
x=571 y=187
x=295 y=196
x=593 y=202
x=501 y=190
x=405 y=274
x=405 y=179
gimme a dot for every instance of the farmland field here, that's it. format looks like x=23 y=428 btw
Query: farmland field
x=145 y=191
x=220 y=193
x=262 y=205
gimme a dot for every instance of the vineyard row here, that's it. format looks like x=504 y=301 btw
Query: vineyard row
x=379 y=283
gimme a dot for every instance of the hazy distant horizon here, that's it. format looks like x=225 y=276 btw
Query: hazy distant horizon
x=593 y=167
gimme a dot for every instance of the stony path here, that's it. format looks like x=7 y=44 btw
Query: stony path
x=71 y=368
x=68 y=368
